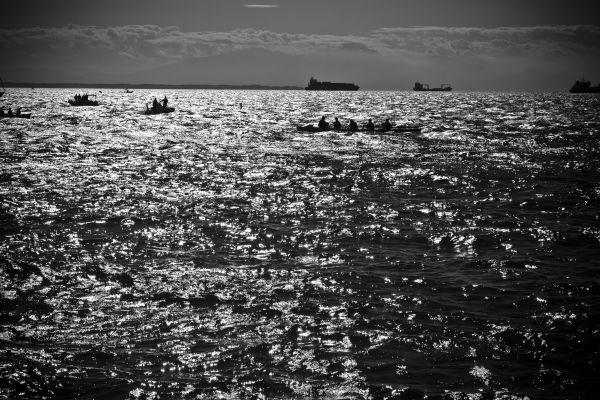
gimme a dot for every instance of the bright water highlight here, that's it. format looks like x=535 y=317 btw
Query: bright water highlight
x=217 y=252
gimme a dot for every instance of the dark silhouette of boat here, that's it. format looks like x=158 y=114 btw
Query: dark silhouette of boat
x=424 y=87
x=314 y=84
x=16 y=114
x=79 y=101
x=22 y=115
x=583 y=86
x=159 y=110
x=404 y=128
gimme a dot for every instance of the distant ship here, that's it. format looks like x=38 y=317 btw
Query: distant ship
x=424 y=87
x=583 y=86
x=314 y=84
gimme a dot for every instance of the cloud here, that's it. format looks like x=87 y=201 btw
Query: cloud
x=358 y=47
x=150 y=43
x=503 y=41
x=260 y=5
x=130 y=48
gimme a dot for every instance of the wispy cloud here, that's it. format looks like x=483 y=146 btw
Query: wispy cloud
x=507 y=54
x=261 y=5
x=161 y=45
x=562 y=41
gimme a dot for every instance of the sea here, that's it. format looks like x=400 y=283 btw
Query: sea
x=217 y=252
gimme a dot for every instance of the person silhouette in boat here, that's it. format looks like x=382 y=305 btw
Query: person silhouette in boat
x=155 y=104
x=323 y=125
x=352 y=126
x=84 y=98
x=386 y=126
x=1 y=111
x=370 y=126
x=9 y=112
x=165 y=101
x=18 y=112
x=337 y=125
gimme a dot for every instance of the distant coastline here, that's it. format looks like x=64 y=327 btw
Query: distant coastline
x=143 y=86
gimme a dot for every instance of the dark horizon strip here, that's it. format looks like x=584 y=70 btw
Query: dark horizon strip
x=143 y=86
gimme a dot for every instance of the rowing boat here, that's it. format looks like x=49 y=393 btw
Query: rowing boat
x=397 y=129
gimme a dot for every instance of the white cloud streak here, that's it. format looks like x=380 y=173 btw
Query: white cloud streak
x=261 y=5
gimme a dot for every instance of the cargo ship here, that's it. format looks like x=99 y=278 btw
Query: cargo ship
x=314 y=84
x=583 y=86
x=424 y=87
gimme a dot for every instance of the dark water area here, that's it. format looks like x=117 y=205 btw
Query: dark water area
x=219 y=253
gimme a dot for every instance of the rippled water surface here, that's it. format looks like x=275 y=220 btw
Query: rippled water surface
x=217 y=252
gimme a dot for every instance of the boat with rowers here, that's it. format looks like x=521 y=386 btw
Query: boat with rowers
x=352 y=126
x=396 y=129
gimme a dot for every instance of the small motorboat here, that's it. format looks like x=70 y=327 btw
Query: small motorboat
x=15 y=115
x=159 y=110
x=83 y=101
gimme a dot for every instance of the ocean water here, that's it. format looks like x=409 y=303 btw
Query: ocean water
x=218 y=253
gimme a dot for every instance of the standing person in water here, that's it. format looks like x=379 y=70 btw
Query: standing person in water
x=337 y=125
x=370 y=126
x=323 y=125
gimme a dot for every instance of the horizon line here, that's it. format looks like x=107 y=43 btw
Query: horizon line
x=59 y=85
x=75 y=85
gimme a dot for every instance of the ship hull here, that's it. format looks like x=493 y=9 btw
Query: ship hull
x=583 y=86
x=314 y=84
x=347 y=88
x=590 y=90
x=433 y=90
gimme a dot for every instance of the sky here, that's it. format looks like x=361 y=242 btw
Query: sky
x=526 y=45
